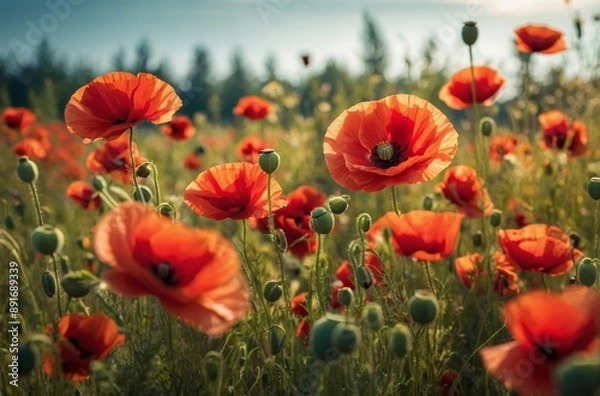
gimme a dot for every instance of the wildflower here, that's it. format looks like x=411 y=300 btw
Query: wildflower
x=560 y=134
x=83 y=194
x=249 y=149
x=463 y=188
x=539 y=38
x=457 y=92
x=113 y=157
x=179 y=128
x=252 y=107
x=18 y=117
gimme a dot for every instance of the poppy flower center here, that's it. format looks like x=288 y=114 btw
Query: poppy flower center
x=82 y=354
x=547 y=350
x=386 y=154
x=165 y=272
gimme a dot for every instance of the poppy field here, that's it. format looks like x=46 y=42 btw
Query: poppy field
x=417 y=239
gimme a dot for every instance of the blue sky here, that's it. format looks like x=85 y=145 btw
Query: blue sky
x=92 y=30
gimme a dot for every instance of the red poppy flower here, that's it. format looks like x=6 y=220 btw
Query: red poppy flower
x=192 y=162
x=464 y=188
x=294 y=220
x=458 y=94
x=113 y=157
x=83 y=194
x=200 y=280
x=30 y=147
x=446 y=383
x=539 y=38
x=252 y=107
x=425 y=235
x=179 y=128
x=249 y=149
x=520 y=212
x=114 y=102
x=82 y=340
x=303 y=331
x=400 y=139
x=560 y=134
x=299 y=306
x=501 y=146
x=543 y=338
x=540 y=248
x=345 y=274
x=18 y=117
x=234 y=190
x=470 y=268
x=335 y=288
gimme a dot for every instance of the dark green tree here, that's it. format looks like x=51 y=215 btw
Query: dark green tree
x=197 y=87
x=238 y=84
x=374 y=48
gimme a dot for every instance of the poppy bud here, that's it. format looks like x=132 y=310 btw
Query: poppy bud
x=321 y=337
x=594 y=188
x=47 y=240
x=269 y=161
x=65 y=263
x=243 y=354
x=387 y=233
x=146 y=194
x=372 y=315
x=78 y=284
x=365 y=278
x=167 y=210
x=579 y=375
x=27 y=170
x=338 y=205
x=487 y=126
x=423 y=307
x=477 y=238
x=587 y=272
x=212 y=365
x=8 y=222
x=144 y=170
x=27 y=358
x=496 y=218
x=428 y=202
x=49 y=283
x=276 y=339
x=345 y=296
x=469 y=32
x=322 y=220
x=401 y=342
x=345 y=337
x=281 y=240
x=99 y=183
x=363 y=222
x=272 y=291
x=575 y=240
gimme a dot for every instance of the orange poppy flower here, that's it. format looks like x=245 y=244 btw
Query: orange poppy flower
x=114 y=102
x=400 y=139
x=469 y=268
x=299 y=306
x=249 y=149
x=30 y=147
x=424 y=235
x=200 y=280
x=501 y=146
x=83 y=194
x=252 y=107
x=463 y=188
x=457 y=92
x=179 y=128
x=539 y=38
x=18 y=117
x=294 y=220
x=113 y=157
x=303 y=331
x=560 y=134
x=83 y=339
x=539 y=248
x=345 y=274
x=192 y=162
x=543 y=338
x=234 y=190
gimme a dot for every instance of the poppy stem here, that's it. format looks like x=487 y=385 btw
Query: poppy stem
x=107 y=199
x=526 y=79
x=58 y=304
x=395 y=201
x=597 y=234
x=132 y=158
x=36 y=201
x=430 y=278
x=155 y=181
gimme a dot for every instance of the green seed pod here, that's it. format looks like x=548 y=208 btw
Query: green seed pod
x=47 y=240
x=365 y=278
x=587 y=272
x=322 y=220
x=281 y=240
x=212 y=366
x=19 y=209
x=272 y=291
x=167 y=210
x=470 y=32
x=385 y=151
x=401 y=341
x=579 y=375
x=269 y=161
x=372 y=315
x=99 y=183
x=276 y=339
x=146 y=194
x=594 y=188
x=144 y=170
x=428 y=202
x=496 y=218
x=78 y=284
x=338 y=204
x=423 y=307
x=487 y=126
x=65 y=263
x=345 y=296
x=27 y=170
x=9 y=223
x=387 y=234
x=321 y=338
x=28 y=358
x=49 y=283
x=363 y=222
x=345 y=337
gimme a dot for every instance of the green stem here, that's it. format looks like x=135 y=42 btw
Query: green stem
x=254 y=280
x=317 y=273
x=107 y=199
x=597 y=234
x=133 y=166
x=155 y=180
x=430 y=278
x=36 y=201
x=271 y=221
x=58 y=303
x=395 y=201
x=526 y=94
